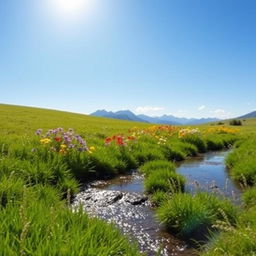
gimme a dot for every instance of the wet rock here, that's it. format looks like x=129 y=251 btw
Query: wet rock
x=135 y=199
x=97 y=198
x=116 y=198
x=88 y=198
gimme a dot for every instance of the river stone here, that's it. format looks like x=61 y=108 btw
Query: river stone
x=134 y=198
x=100 y=198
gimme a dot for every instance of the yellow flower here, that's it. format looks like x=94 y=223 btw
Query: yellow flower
x=63 y=151
x=63 y=146
x=92 y=148
x=45 y=141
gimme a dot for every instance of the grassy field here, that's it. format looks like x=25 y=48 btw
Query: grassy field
x=40 y=173
x=26 y=120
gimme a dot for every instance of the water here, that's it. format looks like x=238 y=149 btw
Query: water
x=122 y=201
x=135 y=220
x=209 y=173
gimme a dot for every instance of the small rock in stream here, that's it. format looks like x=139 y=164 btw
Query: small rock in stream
x=135 y=199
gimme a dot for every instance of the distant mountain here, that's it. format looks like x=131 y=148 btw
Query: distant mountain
x=160 y=119
x=194 y=121
x=249 y=115
x=165 y=119
x=122 y=114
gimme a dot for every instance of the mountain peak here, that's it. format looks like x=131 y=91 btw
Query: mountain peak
x=165 y=119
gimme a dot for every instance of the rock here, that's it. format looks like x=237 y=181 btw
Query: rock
x=116 y=198
x=135 y=199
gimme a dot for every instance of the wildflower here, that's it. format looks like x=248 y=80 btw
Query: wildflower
x=45 y=141
x=108 y=141
x=120 y=141
x=67 y=138
x=63 y=146
x=92 y=148
x=58 y=139
x=63 y=151
x=55 y=131
x=71 y=146
x=39 y=131
x=53 y=149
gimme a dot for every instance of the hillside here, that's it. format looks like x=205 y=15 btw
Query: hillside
x=25 y=120
x=249 y=115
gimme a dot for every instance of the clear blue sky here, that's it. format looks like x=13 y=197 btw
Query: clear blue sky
x=193 y=58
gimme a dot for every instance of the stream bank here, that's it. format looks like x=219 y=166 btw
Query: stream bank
x=122 y=201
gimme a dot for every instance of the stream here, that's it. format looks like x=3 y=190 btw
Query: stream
x=122 y=201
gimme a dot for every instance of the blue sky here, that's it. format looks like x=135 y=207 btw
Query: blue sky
x=193 y=58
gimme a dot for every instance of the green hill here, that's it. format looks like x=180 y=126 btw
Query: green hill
x=26 y=120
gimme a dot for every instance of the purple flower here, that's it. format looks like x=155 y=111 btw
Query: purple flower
x=70 y=130
x=39 y=131
x=55 y=131
x=71 y=146
x=67 y=139
x=49 y=132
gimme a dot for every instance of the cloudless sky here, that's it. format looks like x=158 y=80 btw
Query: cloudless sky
x=193 y=58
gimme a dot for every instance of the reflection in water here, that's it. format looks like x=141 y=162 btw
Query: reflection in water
x=209 y=173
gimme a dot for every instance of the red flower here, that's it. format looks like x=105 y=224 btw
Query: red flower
x=130 y=138
x=108 y=140
x=58 y=139
x=120 y=140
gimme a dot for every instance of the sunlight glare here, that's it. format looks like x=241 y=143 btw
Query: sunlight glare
x=67 y=9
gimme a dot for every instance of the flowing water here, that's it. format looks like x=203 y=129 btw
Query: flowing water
x=122 y=202
x=209 y=173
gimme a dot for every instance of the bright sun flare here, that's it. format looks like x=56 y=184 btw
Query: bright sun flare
x=69 y=8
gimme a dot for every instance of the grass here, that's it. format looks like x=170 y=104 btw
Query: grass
x=192 y=216
x=164 y=180
x=22 y=121
x=239 y=239
x=37 y=184
x=152 y=166
x=242 y=162
x=44 y=225
x=198 y=141
x=249 y=197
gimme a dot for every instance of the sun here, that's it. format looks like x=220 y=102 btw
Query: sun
x=69 y=8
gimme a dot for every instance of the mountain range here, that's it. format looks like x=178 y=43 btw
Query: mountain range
x=165 y=119
x=249 y=115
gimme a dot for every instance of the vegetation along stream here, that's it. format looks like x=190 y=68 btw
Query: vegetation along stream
x=122 y=201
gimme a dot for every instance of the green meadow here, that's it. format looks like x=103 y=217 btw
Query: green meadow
x=40 y=174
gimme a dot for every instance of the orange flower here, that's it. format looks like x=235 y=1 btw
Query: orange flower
x=58 y=139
